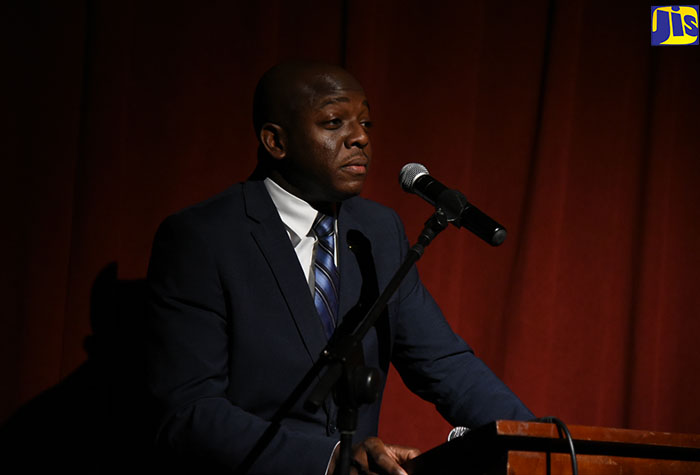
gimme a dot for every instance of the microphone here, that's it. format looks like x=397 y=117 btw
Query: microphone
x=457 y=432
x=414 y=178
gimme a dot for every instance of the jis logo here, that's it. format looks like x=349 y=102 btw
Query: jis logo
x=674 y=25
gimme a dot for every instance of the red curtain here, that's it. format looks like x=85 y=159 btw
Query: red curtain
x=557 y=118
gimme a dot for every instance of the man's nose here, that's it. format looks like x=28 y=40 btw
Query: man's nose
x=357 y=137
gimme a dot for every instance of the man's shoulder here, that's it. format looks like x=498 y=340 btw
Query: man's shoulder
x=371 y=215
x=363 y=207
x=214 y=215
x=233 y=203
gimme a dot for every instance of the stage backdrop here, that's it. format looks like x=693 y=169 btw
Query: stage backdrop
x=559 y=119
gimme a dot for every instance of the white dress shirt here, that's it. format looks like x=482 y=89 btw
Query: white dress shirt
x=298 y=218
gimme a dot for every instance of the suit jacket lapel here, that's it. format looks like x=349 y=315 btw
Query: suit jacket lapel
x=272 y=239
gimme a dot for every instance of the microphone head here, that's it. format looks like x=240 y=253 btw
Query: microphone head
x=409 y=173
x=459 y=431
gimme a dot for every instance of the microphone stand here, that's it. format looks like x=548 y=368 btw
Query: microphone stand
x=354 y=383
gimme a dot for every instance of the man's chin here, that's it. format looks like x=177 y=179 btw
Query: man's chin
x=350 y=191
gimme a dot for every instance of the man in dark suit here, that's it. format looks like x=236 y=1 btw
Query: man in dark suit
x=248 y=286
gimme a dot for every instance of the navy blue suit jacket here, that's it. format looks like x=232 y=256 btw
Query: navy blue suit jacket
x=234 y=329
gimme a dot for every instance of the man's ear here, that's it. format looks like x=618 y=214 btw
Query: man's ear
x=274 y=139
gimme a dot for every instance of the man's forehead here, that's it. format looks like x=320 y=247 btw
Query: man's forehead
x=333 y=80
x=328 y=87
x=291 y=88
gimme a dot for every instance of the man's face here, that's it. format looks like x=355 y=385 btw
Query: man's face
x=328 y=146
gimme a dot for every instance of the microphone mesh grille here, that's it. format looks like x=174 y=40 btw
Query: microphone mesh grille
x=409 y=173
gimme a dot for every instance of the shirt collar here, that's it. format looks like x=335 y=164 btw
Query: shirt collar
x=296 y=214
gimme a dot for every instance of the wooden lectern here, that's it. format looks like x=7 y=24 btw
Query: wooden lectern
x=533 y=448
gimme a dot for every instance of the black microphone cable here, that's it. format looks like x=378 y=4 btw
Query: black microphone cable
x=561 y=427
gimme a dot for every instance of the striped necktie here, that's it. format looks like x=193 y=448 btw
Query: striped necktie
x=326 y=274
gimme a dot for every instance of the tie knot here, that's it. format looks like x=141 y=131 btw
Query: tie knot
x=323 y=226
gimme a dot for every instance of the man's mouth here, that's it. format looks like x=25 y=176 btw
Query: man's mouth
x=356 y=169
x=356 y=166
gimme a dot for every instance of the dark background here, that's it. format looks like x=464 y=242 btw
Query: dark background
x=555 y=117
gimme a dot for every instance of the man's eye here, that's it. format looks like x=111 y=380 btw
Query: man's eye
x=367 y=124
x=333 y=123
